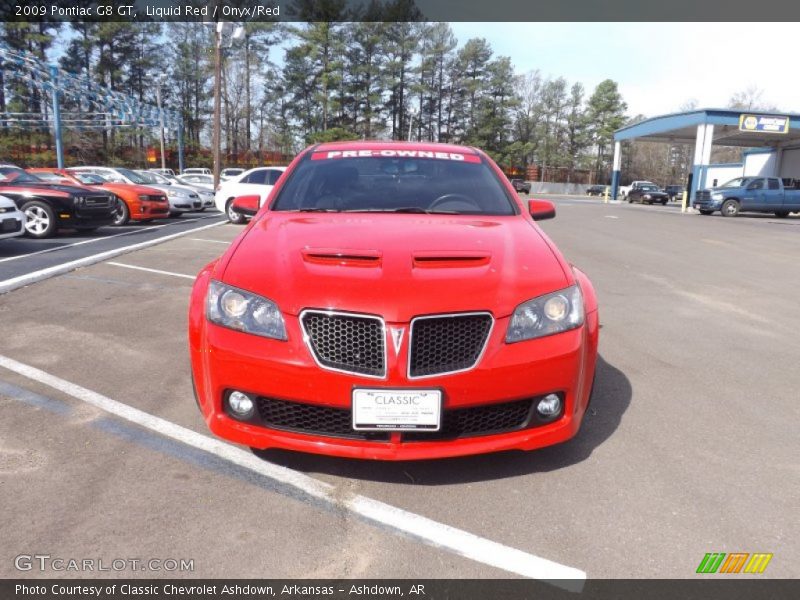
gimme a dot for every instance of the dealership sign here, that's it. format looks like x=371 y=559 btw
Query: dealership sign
x=765 y=123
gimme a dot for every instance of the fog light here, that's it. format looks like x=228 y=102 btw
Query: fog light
x=549 y=406
x=241 y=405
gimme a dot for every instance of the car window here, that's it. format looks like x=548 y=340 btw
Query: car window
x=17 y=175
x=273 y=176
x=257 y=177
x=456 y=184
x=774 y=185
x=756 y=184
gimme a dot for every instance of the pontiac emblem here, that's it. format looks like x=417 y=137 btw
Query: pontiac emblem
x=397 y=338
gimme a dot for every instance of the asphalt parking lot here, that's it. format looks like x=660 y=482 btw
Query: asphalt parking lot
x=690 y=445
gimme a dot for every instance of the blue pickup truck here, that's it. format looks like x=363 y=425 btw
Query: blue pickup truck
x=750 y=194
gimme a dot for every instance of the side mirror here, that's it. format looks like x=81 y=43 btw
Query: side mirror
x=246 y=205
x=541 y=209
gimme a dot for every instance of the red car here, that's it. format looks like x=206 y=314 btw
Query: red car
x=394 y=301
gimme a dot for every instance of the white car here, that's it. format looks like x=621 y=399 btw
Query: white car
x=181 y=198
x=196 y=171
x=258 y=181
x=12 y=219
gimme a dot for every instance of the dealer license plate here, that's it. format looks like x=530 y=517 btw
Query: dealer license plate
x=396 y=410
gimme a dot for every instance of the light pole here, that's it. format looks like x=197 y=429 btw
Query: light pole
x=159 y=81
x=219 y=30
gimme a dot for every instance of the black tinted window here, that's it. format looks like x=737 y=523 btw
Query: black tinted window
x=410 y=184
x=756 y=184
x=259 y=177
x=774 y=185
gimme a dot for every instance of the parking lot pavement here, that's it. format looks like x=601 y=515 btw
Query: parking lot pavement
x=690 y=445
x=23 y=256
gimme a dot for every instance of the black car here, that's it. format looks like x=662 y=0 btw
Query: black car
x=674 y=191
x=521 y=185
x=49 y=206
x=647 y=194
x=596 y=190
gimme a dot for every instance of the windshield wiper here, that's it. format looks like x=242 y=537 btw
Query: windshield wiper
x=316 y=209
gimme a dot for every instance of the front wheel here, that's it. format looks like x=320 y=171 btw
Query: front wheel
x=730 y=208
x=233 y=216
x=663 y=202
x=40 y=220
x=123 y=214
x=781 y=214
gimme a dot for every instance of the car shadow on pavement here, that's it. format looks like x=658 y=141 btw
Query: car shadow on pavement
x=612 y=396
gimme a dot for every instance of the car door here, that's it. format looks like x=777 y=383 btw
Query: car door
x=773 y=194
x=753 y=197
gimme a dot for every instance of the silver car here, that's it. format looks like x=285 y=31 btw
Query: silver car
x=206 y=193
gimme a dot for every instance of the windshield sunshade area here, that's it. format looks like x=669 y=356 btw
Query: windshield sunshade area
x=394 y=184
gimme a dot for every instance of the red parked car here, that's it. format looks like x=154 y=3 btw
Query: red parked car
x=394 y=301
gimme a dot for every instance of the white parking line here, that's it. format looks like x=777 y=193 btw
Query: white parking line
x=100 y=239
x=431 y=532
x=22 y=280
x=210 y=241
x=159 y=271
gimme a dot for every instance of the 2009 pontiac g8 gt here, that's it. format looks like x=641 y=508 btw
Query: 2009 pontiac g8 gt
x=394 y=301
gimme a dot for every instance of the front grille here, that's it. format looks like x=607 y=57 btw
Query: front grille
x=10 y=226
x=447 y=343
x=156 y=198
x=703 y=196
x=346 y=342
x=478 y=420
x=97 y=201
x=312 y=419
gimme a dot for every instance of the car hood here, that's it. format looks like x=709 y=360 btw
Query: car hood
x=395 y=265
x=150 y=190
x=181 y=189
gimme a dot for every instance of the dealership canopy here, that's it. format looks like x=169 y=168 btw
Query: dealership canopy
x=707 y=127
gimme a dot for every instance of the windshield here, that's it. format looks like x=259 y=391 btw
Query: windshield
x=738 y=182
x=648 y=188
x=10 y=174
x=89 y=178
x=155 y=178
x=456 y=184
x=133 y=176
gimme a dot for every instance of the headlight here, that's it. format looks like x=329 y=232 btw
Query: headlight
x=237 y=309
x=172 y=193
x=546 y=315
x=647 y=196
x=716 y=196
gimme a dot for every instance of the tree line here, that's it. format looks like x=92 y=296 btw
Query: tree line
x=290 y=84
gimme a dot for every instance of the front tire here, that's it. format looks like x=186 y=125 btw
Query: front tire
x=663 y=202
x=233 y=216
x=781 y=214
x=730 y=208
x=40 y=220
x=123 y=215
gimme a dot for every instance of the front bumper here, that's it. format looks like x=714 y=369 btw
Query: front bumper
x=707 y=204
x=224 y=360
x=12 y=224
x=146 y=210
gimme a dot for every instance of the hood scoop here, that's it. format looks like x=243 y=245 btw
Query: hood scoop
x=450 y=259
x=343 y=257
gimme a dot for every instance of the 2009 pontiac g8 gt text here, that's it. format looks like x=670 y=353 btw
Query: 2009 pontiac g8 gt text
x=394 y=301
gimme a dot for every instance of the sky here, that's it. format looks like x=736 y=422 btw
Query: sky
x=658 y=66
